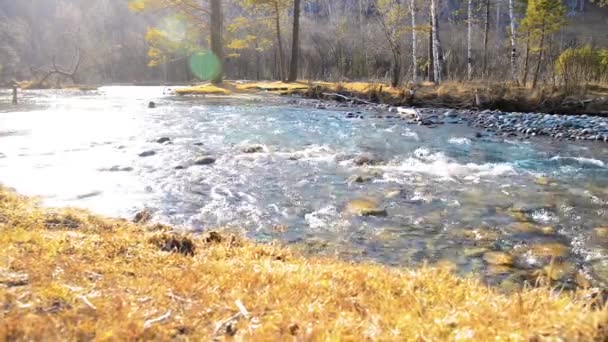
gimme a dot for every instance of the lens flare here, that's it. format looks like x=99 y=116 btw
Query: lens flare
x=174 y=29
x=205 y=66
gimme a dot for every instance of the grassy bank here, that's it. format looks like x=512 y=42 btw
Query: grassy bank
x=500 y=96
x=69 y=274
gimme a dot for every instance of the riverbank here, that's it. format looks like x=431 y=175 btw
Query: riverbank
x=478 y=96
x=69 y=274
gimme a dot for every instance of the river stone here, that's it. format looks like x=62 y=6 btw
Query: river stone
x=253 y=149
x=543 y=251
x=204 y=161
x=475 y=252
x=143 y=217
x=393 y=194
x=559 y=270
x=147 y=154
x=366 y=159
x=163 y=140
x=359 y=179
x=365 y=207
x=498 y=258
x=495 y=270
x=601 y=232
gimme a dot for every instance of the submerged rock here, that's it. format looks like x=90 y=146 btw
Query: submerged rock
x=147 y=154
x=359 y=179
x=204 y=161
x=365 y=207
x=498 y=258
x=366 y=159
x=253 y=149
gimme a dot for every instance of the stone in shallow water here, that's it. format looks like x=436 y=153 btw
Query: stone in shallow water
x=366 y=159
x=549 y=250
x=253 y=149
x=475 y=252
x=601 y=232
x=204 y=161
x=147 y=154
x=498 y=258
x=542 y=181
x=559 y=270
x=495 y=270
x=365 y=207
x=359 y=179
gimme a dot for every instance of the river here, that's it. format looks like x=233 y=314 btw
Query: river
x=501 y=208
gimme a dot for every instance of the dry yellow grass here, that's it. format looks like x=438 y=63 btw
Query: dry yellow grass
x=70 y=275
x=272 y=86
x=203 y=89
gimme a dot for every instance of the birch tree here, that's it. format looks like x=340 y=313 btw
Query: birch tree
x=513 y=42
x=413 y=11
x=470 y=40
x=295 y=44
x=437 y=54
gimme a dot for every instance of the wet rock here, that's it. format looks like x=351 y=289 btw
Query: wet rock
x=147 y=154
x=601 y=232
x=174 y=243
x=205 y=161
x=549 y=250
x=496 y=270
x=117 y=168
x=544 y=181
x=163 y=140
x=365 y=207
x=359 y=179
x=253 y=149
x=179 y=167
x=393 y=194
x=450 y=114
x=498 y=258
x=366 y=159
x=89 y=195
x=475 y=252
x=143 y=217
x=559 y=270
x=151 y=105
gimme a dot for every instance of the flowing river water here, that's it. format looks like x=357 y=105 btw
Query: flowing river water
x=502 y=208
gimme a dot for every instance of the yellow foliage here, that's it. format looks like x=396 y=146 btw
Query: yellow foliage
x=203 y=89
x=114 y=280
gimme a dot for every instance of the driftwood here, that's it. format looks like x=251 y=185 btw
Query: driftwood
x=58 y=70
x=341 y=97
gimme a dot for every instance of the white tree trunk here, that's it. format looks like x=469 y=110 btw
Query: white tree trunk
x=513 y=42
x=438 y=60
x=414 y=41
x=470 y=41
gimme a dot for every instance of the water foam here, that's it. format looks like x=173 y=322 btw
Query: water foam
x=460 y=141
x=581 y=160
x=440 y=166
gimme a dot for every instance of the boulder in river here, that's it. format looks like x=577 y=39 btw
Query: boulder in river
x=366 y=159
x=207 y=160
x=143 y=217
x=365 y=207
x=253 y=149
x=163 y=140
x=498 y=258
x=147 y=154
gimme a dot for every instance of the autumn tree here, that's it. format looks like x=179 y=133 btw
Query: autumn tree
x=543 y=18
x=207 y=15
x=295 y=43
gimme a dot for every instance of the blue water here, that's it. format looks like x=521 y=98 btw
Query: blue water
x=436 y=184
